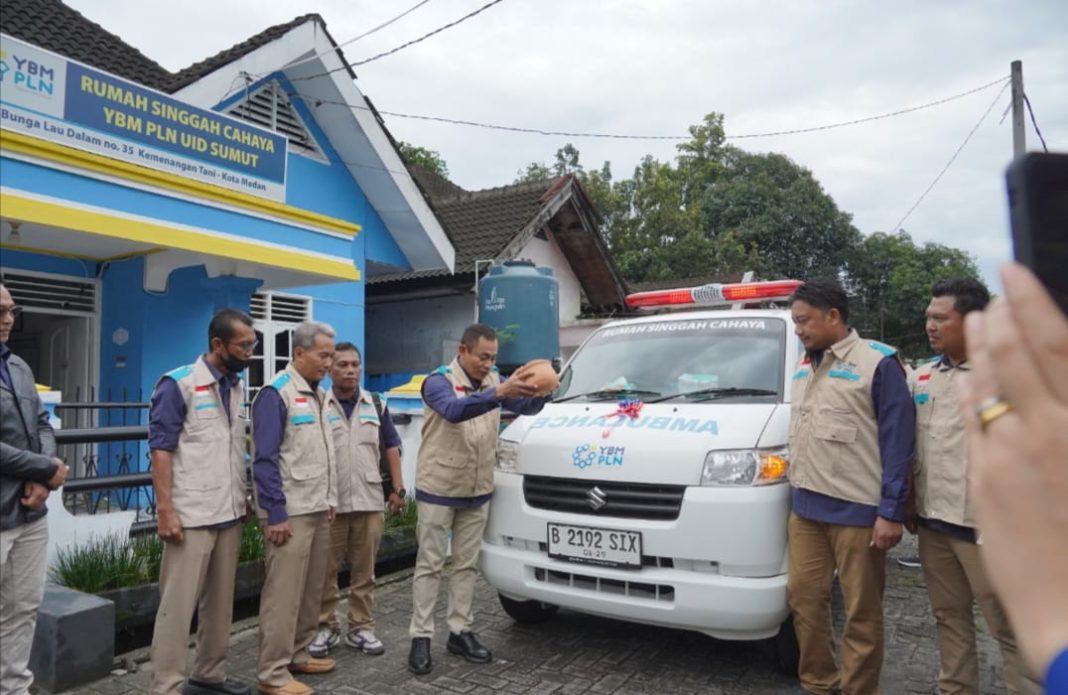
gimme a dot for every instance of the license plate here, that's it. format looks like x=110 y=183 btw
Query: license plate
x=597 y=546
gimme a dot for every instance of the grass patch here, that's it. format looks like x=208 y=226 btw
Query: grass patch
x=251 y=547
x=407 y=517
x=105 y=563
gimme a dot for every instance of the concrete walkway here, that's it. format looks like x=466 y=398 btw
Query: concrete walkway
x=574 y=653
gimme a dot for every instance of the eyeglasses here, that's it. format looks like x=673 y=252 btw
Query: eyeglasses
x=13 y=311
x=247 y=346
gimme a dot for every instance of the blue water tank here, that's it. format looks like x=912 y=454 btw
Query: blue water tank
x=522 y=302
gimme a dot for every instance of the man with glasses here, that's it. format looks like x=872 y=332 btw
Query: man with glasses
x=453 y=486
x=29 y=470
x=196 y=434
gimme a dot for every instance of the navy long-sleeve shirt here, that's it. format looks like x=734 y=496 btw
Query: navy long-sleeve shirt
x=268 y=428
x=896 y=418
x=439 y=394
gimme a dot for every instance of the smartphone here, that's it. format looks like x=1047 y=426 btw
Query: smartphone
x=1038 y=208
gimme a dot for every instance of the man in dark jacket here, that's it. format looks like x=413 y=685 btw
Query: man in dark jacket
x=29 y=470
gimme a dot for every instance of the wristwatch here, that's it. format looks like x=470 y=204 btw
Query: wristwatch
x=400 y=492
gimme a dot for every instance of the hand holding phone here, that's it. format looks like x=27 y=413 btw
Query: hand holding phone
x=1038 y=207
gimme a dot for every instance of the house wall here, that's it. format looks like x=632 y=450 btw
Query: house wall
x=546 y=253
x=413 y=337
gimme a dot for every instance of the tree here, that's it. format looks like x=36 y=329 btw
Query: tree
x=421 y=156
x=889 y=279
x=566 y=162
x=768 y=202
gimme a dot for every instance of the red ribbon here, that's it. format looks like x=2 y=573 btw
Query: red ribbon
x=627 y=408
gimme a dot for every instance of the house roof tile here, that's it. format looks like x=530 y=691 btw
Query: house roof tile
x=58 y=28
x=479 y=223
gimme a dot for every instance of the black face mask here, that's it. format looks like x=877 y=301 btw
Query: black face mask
x=234 y=365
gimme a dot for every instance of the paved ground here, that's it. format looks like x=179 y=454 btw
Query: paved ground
x=574 y=653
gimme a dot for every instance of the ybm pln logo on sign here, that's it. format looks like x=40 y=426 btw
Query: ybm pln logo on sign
x=586 y=455
x=26 y=74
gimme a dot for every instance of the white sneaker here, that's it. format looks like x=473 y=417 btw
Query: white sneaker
x=365 y=641
x=324 y=640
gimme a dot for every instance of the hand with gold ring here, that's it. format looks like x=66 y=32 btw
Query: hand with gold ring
x=1015 y=405
x=990 y=409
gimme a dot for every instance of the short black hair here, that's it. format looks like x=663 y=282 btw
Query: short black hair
x=222 y=324
x=968 y=294
x=346 y=345
x=475 y=331
x=824 y=295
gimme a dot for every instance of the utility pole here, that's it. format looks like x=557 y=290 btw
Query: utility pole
x=1019 y=143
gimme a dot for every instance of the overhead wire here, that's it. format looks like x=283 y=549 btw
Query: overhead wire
x=617 y=136
x=952 y=159
x=354 y=39
x=1035 y=123
x=401 y=47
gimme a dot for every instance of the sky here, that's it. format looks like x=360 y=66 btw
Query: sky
x=655 y=67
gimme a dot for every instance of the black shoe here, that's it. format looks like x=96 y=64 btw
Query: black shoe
x=230 y=686
x=419 y=661
x=466 y=643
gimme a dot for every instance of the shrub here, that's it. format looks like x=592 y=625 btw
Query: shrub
x=102 y=564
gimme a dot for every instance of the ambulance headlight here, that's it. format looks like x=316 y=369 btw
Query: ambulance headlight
x=745 y=467
x=507 y=456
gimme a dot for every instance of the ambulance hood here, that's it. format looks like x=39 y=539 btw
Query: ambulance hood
x=664 y=443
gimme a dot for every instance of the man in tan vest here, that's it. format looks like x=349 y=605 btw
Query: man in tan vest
x=949 y=552
x=453 y=486
x=360 y=432
x=852 y=436
x=196 y=435
x=295 y=479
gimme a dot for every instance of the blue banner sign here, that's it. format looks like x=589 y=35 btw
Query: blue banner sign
x=53 y=98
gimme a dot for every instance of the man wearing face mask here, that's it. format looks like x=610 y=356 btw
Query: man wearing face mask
x=197 y=439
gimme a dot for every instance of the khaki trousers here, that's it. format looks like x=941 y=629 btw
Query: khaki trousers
x=435 y=522
x=816 y=551
x=196 y=575
x=289 y=601
x=356 y=534
x=956 y=580
x=23 y=551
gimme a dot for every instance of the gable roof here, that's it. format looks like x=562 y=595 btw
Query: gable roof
x=354 y=130
x=480 y=223
x=496 y=223
x=55 y=27
x=204 y=67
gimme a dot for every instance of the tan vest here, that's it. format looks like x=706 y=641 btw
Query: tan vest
x=306 y=458
x=359 y=481
x=834 y=437
x=941 y=466
x=457 y=459
x=208 y=467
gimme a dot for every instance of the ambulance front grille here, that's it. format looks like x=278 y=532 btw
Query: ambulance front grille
x=601 y=585
x=604 y=498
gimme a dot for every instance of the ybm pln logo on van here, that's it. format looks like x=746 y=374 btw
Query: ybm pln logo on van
x=26 y=74
x=586 y=455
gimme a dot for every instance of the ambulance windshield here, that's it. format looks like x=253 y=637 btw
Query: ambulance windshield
x=691 y=360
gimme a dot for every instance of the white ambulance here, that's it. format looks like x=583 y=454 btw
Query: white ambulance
x=653 y=487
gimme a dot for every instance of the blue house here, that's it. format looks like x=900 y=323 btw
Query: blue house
x=134 y=202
